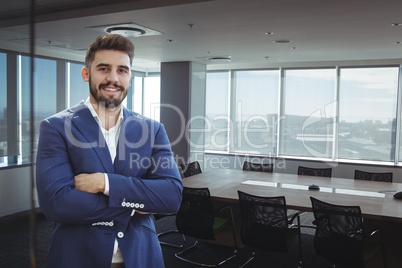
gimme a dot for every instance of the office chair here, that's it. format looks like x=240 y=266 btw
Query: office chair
x=172 y=231
x=197 y=218
x=318 y=172
x=340 y=235
x=370 y=176
x=191 y=169
x=249 y=166
x=265 y=224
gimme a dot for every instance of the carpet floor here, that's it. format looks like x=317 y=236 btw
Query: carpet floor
x=15 y=247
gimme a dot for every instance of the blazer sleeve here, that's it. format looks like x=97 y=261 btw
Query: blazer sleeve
x=150 y=177
x=58 y=198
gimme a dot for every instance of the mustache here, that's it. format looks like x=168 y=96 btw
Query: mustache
x=121 y=88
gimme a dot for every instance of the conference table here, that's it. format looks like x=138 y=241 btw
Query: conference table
x=379 y=208
x=374 y=198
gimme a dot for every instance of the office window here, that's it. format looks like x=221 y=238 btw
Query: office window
x=77 y=88
x=367 y=113
x=137 y=86
x=217 y=111
x=44 y=99
x=151 y=97
x=3 y=107
x=255 y=112
x=308 y=112
x=243 y=109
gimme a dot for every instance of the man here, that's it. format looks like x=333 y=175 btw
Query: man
x=102 y=170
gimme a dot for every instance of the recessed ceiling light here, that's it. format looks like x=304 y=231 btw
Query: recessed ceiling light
x=282 y=41
x=125 y=31
x=396 y=24
x=269 y=33
x=220 y=59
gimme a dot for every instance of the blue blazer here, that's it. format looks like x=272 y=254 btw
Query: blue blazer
x=144 y=176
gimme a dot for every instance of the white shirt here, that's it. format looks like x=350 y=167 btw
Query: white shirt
x=111 y=137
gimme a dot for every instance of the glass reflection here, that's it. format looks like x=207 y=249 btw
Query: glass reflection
x=322 y=189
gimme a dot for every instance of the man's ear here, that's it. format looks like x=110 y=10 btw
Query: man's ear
x=85 y=74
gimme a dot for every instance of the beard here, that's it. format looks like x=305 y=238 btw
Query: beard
x=109 y=102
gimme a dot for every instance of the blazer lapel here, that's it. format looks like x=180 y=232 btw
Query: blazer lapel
x=83 y=120
x=130 y=131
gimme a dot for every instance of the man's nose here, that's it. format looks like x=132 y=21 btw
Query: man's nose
x=112 y=77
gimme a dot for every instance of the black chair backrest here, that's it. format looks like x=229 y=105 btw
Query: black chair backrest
x=264 y=223
x=319 y=172
x=196 y=214
x=370 y=176
x=339 y=232
x=249 y=166
x=191 y=169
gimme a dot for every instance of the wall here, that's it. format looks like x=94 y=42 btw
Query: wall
x=174 y=99
x=183 y=86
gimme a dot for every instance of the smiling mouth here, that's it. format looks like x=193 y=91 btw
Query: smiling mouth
x=110 y=89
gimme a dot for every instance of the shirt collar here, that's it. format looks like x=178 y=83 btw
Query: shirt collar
x=95 y=115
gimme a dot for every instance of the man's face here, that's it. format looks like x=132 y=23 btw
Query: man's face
x=109 y=77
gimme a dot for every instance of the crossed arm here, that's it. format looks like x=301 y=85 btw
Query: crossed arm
x=78 y=198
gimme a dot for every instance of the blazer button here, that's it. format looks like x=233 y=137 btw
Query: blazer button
x=120 y=234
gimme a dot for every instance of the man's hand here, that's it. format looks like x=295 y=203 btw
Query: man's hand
x=91 y=183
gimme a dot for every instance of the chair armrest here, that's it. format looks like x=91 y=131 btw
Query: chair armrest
x=292 y=217
x=377 y=231
x=226 y=208
x=232 y=222
x=315 y=221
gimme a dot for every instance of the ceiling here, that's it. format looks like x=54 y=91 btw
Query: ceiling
x=321 y=32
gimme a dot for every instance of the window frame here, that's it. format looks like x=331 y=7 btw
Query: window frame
x=334 y=156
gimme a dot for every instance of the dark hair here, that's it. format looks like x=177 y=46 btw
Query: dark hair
x=109 y=42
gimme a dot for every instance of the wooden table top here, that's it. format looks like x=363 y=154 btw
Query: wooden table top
x=374 y=198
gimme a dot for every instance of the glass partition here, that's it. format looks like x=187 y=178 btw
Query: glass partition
x=217 y=111
x=367 y=113
x=255 y=112
x=3 y=107
x=308 y=112
x=77 y=88
x=44 y=99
